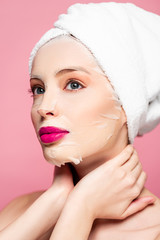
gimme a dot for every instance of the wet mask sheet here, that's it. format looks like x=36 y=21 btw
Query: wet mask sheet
x=89 y=112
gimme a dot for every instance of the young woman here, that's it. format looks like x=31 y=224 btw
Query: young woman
x=81 y=123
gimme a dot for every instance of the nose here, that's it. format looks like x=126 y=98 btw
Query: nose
x=49 y=105
x=45 y=113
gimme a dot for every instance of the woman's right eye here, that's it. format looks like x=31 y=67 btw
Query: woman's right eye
x=37 y=90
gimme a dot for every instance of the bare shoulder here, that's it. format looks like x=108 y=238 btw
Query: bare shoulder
x=16 y=207
x=142 y=225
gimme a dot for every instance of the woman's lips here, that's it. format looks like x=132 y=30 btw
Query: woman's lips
x=51 y=134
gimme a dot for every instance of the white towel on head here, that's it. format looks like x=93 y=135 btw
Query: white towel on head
x=125 y=40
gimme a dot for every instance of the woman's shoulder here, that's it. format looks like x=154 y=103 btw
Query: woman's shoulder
x=17 y=207
x=144 y=224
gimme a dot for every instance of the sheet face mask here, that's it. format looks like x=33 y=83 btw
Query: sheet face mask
x=91 y=112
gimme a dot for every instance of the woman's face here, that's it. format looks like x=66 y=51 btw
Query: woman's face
x=71 y=92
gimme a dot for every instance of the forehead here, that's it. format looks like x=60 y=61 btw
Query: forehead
x=61 y=51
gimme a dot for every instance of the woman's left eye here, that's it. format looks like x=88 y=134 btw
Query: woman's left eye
x=74 y=85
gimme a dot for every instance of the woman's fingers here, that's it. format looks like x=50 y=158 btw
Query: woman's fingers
x=141 y=180
x=132 y=162
x=136 y=186
x=136 y=171
x=137 y=205
x=123 y=157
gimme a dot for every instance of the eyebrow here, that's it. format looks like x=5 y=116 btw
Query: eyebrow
x=63 y=71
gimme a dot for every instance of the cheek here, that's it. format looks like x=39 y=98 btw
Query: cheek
x=100 y=105
x=89 y=105
x=34 y=116
x=86 y=118
x=91 y=130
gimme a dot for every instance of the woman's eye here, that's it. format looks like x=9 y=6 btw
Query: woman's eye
x=37 y=90
x=74 y=85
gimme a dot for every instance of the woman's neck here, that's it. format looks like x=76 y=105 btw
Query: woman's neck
x=92 y=162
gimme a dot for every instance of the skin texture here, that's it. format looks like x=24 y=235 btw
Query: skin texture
x=108 y=178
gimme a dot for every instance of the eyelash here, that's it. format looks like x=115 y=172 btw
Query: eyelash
x=31 y=90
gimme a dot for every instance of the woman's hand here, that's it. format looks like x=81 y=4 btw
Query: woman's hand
x=109 y=190
x=106 y=192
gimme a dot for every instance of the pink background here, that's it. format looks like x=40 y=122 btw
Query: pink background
x=23 y=168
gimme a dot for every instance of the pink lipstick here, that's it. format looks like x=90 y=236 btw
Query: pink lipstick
x=51 y=134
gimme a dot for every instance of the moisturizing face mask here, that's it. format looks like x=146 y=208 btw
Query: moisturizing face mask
x=82 y=101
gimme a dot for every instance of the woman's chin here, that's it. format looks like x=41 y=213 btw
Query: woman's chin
x=59 y=158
